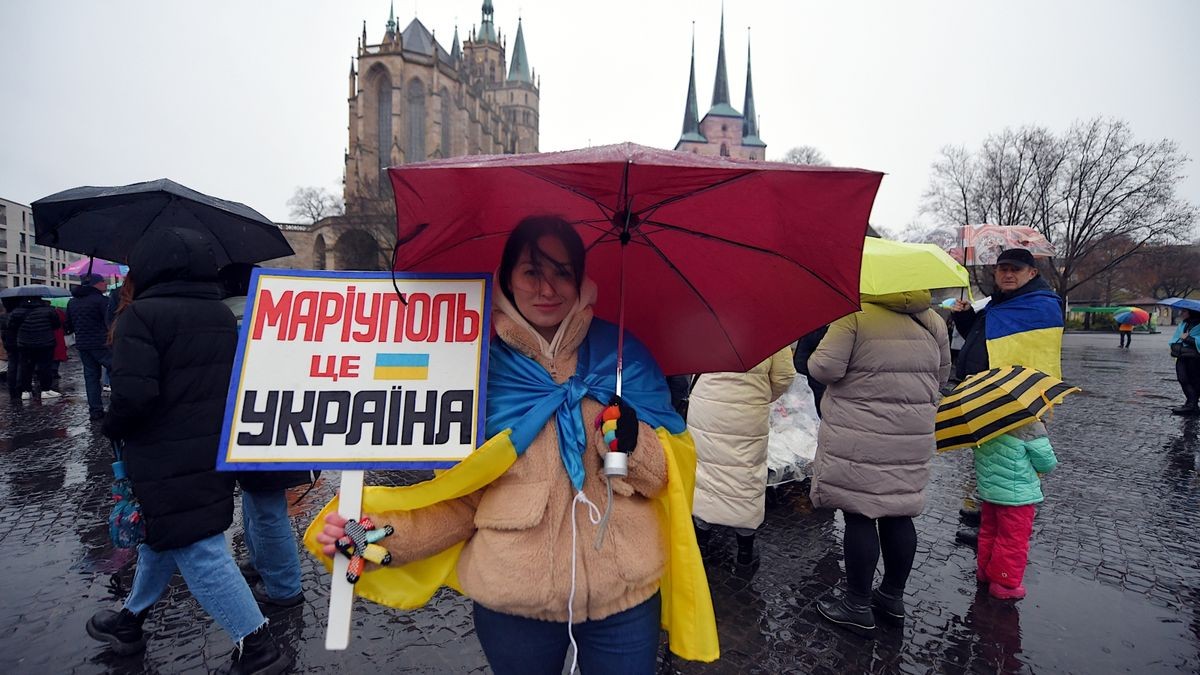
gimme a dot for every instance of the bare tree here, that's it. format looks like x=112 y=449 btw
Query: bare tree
x=805 y=154
x=1167 y=271
x=310 y=204
x=1086 y=191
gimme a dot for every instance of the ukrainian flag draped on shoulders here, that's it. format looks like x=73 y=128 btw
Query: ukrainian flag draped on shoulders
x=521 y=399
x=1026 y=330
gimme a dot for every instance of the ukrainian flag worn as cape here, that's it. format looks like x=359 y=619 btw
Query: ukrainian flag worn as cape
x=1026 y=330
x=521 y=399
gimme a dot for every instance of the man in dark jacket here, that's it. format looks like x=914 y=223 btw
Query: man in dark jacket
x=1016 y=274
x=87 y=317
x=173 y=352
x=34 y=322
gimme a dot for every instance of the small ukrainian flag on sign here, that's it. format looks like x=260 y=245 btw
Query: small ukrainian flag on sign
x=402 y=366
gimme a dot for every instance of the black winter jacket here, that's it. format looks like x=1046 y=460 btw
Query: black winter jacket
x=34 y=322
x=173 y=351
x=87 y=317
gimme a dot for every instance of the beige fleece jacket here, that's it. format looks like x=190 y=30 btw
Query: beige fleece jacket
x=517 y=558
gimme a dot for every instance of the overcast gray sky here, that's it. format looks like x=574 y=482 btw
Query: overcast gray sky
x=246 y=100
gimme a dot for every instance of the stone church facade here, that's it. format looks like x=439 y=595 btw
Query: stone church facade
x=411 y=100
x=723 y=131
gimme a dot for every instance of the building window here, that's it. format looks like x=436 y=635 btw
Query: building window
x=447 y=150
x=383 y=96
x=319 y=253
x=415 y=148
x=724 y=150
x=753 y=156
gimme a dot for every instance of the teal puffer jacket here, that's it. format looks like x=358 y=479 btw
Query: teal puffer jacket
x=1007 y=468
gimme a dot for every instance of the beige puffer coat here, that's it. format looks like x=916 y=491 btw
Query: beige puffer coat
x=728 y=415
x=517 y=558
x=884 y=371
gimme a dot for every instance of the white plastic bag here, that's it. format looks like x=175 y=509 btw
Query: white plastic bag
x=792 y=443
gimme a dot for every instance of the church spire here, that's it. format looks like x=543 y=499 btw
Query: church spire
x=750 y=121
x=487 y=28
x=519 y=70
x=721 y=85
x=391 y=24
x=691 y=113
x=456 y=48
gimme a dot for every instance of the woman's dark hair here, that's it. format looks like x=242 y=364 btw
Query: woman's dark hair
x=526 y=235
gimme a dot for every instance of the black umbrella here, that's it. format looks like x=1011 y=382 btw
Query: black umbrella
x=34 y=291
x=106 y=222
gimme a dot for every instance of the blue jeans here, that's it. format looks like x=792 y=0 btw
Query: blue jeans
x=93 y=361
x=211 y=575
x=271 y=542
x=625 y=643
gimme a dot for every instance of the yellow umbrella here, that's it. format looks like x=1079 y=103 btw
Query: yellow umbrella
x=994 y=402
x=895 y=267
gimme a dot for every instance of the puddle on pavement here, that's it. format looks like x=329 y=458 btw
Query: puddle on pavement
x=1111 y=630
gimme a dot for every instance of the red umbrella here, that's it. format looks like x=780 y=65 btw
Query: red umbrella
x=727 y=260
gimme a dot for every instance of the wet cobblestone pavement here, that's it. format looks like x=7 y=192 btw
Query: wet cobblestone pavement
x=1114 y=576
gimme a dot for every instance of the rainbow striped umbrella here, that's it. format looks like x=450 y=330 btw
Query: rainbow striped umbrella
x=1133 y=316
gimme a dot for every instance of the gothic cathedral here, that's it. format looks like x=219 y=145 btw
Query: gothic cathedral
x=411 y=100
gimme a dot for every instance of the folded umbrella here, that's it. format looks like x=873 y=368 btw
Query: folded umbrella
x=107 y=221
x=994 y=402
x=895 y=267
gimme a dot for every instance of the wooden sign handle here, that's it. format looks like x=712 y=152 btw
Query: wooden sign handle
x=341 y=592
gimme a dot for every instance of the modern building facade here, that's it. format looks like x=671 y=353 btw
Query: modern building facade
x=21 y=260
x=411 y=100
x=723 y=130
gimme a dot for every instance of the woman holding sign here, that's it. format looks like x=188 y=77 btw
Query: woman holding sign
x=550 y=559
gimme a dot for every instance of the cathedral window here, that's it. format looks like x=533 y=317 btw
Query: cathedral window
x=415 y=148
x=724 y=150
x=447 y=151
x=383 y=96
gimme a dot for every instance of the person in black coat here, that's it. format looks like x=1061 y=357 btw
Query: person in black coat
x=804 y=349
x=173 y=350
x=87 y=318
x=34 y=322
x=8 y=334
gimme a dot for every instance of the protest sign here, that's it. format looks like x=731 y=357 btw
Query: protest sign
x=333 y=371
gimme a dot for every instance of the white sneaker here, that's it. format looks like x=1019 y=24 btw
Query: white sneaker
x=26 y=395
x=50 y=393
x=106 y=388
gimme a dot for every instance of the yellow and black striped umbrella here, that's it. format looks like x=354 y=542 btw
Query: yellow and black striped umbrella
x=991 y=403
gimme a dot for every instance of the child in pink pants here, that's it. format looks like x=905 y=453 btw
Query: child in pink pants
x=1008 y=472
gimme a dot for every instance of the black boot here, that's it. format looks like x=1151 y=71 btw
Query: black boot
x=854 y=617
x=967 y=536
x=888 y=605
x=970 y=517
x=258 y=655
x=1190 y=407
x=121 y=630
x=747 y=555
